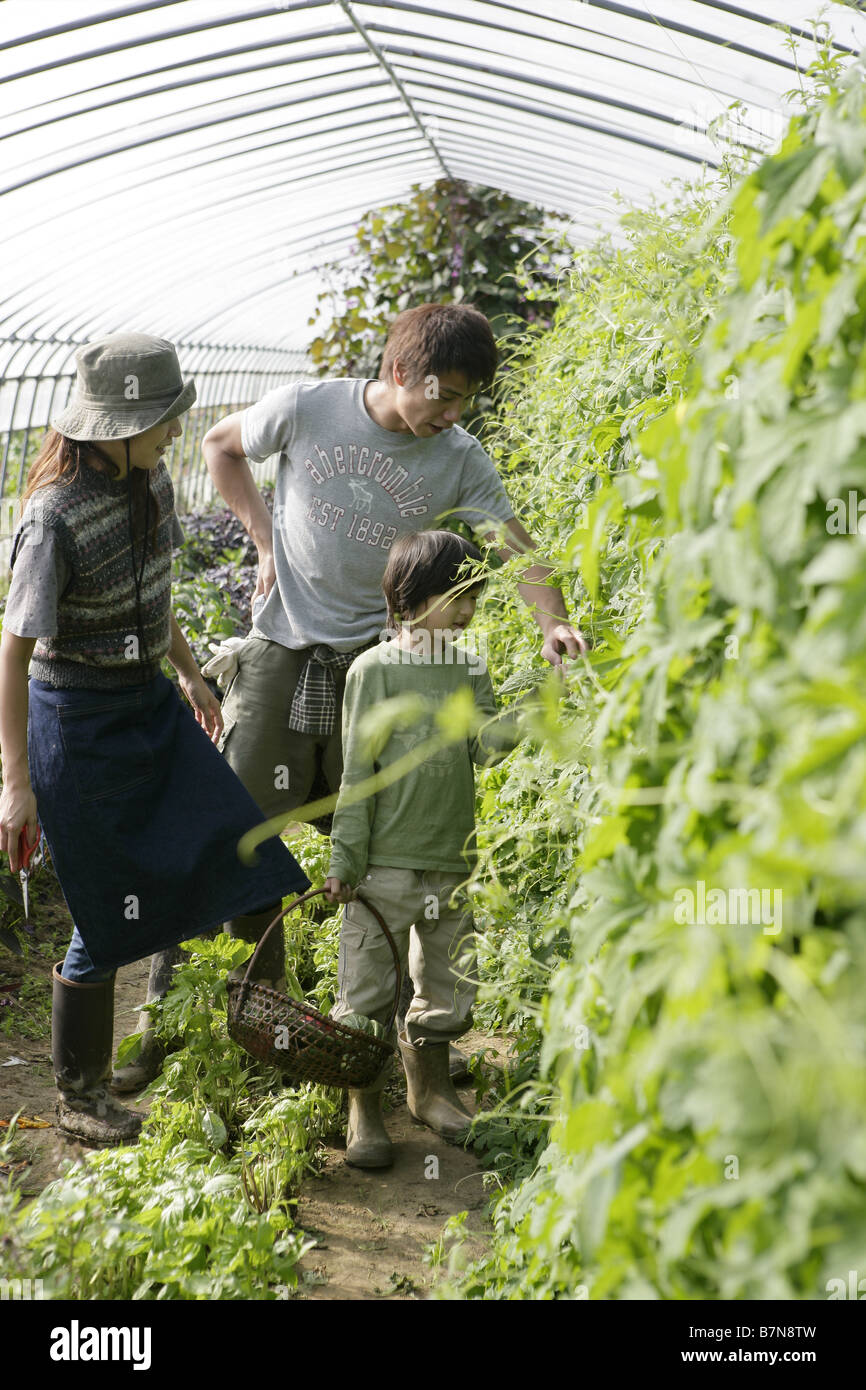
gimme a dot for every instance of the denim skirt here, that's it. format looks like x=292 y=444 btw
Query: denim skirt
x=142 y=816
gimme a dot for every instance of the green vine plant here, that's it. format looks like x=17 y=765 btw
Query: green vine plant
x=448 y=243
x=688 y=438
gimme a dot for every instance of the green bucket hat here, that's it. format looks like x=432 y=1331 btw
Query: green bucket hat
x=126 y=384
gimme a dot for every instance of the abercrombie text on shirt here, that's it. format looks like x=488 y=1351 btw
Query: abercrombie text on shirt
x=346 y=488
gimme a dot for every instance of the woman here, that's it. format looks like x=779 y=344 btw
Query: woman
x=141 y=814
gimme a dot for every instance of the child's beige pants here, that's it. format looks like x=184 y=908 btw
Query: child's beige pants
x=439 y=949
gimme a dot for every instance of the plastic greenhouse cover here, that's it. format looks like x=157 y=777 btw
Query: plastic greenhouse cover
x=186 y=166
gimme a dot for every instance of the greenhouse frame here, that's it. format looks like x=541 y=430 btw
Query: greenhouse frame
x=187 y=166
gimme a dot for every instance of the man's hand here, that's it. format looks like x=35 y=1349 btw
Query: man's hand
x=338 y=892
x=267 y=574
x=563 y=640
x=206 y=706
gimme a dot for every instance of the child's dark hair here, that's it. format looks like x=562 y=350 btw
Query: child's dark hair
x=421 y=564
x=435 y=338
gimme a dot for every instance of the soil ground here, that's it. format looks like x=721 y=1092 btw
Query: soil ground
x=27 y=1084
x=371 y=1228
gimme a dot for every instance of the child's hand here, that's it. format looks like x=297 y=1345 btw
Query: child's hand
x=338 y=892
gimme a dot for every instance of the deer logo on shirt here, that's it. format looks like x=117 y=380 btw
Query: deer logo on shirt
x=362 y=500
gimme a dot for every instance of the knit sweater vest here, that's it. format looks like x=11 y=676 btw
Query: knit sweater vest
x=98 y=643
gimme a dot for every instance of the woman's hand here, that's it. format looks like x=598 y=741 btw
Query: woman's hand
x=206 y=706
x=17 y=812
x=338 y=892
x=17 y=801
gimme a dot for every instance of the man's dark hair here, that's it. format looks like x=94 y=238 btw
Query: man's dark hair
x=424 y=563
x=435 y=338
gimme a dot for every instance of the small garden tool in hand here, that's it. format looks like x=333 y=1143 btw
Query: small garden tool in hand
x=26 y=852
x=18 y=890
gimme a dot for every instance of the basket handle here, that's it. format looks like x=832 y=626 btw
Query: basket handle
x=312 y=893
x=315 y=893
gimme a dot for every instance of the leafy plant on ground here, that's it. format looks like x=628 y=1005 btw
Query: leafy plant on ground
x=213 y=578
x=202 y=1206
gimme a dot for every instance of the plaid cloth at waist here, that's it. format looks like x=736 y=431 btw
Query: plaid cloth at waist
x=314 y=706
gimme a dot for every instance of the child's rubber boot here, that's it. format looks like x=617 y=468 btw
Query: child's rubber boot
x=458 y=1064
x=367 y=1142
x=430 y=1093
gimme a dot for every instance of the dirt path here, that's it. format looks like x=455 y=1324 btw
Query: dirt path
x=372 y=1228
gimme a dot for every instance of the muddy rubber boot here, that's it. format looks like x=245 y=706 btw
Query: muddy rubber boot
x=367 y=1142
x=148 y=1064
x=430 y=1093
x=82 y=1024
x=271 y=965
x=458 y=1064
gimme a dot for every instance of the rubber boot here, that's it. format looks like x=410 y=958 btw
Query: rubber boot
x=82 y=1024
x=430 y=1093
x=271 y=965
x=458 y=1064
x=367 y=1142
x=151 y=1056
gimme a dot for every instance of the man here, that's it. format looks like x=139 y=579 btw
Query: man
x=360 y=462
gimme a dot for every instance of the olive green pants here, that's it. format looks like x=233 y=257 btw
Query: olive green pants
x=278 y=766
x=435 y=939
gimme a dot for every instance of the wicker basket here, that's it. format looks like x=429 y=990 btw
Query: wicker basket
x=295 y=1037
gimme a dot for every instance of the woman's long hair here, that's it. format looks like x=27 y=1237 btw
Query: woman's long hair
x=60 y=460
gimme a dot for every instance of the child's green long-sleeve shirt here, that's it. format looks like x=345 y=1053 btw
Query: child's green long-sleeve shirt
x=426 y=819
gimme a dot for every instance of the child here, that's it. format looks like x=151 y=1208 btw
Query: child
x=409 y=846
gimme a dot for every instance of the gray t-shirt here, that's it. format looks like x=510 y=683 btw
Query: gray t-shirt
x=40 y=576
x=345 y=489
